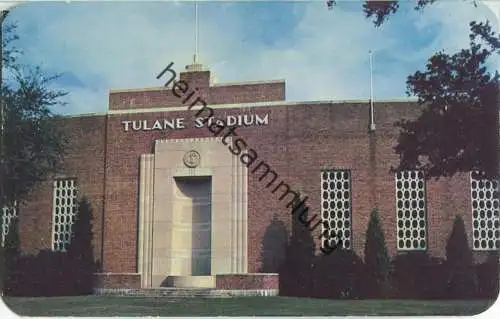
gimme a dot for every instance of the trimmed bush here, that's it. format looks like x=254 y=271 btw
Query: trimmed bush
x=52 y=273
x=488 y=277
x=415 y=275
x=80 y=251
x=48 y=273
x=10 y=255
x=462 y=279
x=377 y=260
x=338 y=275
x=295 y=272
x=273 y=248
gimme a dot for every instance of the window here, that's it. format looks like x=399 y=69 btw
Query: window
x=485 y=219
x=336 y=207
x=411 y=210
x=8 y=215
x=64 y=212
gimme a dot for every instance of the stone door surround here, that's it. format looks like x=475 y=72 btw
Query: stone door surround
x=158 y=253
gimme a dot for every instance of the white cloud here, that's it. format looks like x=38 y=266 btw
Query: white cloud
x=323 y=56
x=9 y=5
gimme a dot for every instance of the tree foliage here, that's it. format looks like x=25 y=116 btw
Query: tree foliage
x=380 y=10
x=10 y=52
x=33 y=142
x=457 y=130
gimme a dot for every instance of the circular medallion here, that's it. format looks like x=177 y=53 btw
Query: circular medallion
x=192 y=159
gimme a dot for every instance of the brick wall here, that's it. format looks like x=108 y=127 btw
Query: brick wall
x=85 y=161
x=299 y=141
x=116 y=281
x=212 y=94
x=249 y=281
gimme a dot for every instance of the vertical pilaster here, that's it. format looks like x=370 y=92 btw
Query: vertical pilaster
x=234 y=222
x=244 y=220
x=240 y=215
x=158 y=254
x=237 y=215
x=145 y=218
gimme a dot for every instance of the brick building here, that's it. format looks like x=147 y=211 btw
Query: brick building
x=176 y=204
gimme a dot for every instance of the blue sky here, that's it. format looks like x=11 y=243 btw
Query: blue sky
x=322 y=54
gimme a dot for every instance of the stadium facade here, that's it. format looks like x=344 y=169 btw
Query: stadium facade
x=179 y=204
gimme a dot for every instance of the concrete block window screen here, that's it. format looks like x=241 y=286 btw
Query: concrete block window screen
x=64 y=212
x=485 y=219
x=8 y=214
x=336 y=206
x=411 y=211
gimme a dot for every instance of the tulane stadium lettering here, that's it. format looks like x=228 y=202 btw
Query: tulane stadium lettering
x=179 y=123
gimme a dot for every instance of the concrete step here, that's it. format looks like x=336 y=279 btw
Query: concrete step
x=185 y=292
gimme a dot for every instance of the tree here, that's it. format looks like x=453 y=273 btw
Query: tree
x=33 y=142
x=458 y=251
x=462 y=281
x=377 y=261
x=274 y=246
x=380 y=10
x=295 y=272
x=80 y=250
x=458 y=128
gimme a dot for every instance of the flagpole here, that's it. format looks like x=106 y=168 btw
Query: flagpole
x=196 y=32
x=372 y=116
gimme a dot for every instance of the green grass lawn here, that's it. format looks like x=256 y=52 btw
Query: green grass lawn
x=242 y=306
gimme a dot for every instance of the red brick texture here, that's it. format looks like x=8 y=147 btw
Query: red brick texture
x=298 y=143
x=85 y=162
x=117 y=281
x=250 y=281
x=218 y=94
x=212 y=94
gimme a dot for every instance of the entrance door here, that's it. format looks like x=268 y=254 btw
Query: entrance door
x=192 y=225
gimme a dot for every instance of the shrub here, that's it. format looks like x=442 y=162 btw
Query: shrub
x=377 y=260
x=462 y=279
x=51 y=273
x=273 y=246
x=415 y=275
x=47 y=274
x=80 y=252
x=10 y=255
x=338 y=275
x=488 y=277
x=295 y=272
